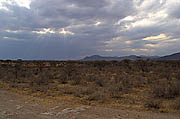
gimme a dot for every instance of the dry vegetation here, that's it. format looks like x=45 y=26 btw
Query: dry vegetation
x=138 y=84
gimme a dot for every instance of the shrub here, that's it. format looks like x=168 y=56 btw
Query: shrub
x=76 y=79
x=100 y=82
x=137 y=81
x=63 y=79
x=91 y=78
x=42 y=89
x=115 y=89
x=176 y=104
x=68 y=90
x=151 y=103
x=167 y=89
x=96 y=96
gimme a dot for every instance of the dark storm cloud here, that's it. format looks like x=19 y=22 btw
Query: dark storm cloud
x=105 y=27
x=83 y=10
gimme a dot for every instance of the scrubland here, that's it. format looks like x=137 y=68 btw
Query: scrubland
x=140 y=84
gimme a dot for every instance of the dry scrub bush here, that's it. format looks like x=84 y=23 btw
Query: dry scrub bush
x=166 y=89
x=116 y=89
x=76 y=79
x=100 y=82
x=96 y=96
x=152 y=103
x=63 y=79
x=82 y=91
x=176 y=104
x=68 y=90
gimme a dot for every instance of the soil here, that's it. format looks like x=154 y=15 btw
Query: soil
x=17 y=106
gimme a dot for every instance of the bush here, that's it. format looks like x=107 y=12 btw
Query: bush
x=166 y=89
x=76 y=80
x=68 y=90
x=100 y=82
x=91 y=78
x=176 y=104
x=115 y=89
x=151 y=103
x=81 y=91
x=96 y=96
x=63 y=79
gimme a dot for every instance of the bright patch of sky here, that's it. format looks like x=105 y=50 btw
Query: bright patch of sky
x=21 y=3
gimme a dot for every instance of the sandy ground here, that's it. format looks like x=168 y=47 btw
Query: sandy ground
x=16 y=106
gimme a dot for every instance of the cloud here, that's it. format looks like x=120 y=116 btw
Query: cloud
x=44 y=31
x=174 y=10
x=155 y=38
x=68 y=29
x=65 y=32
x=152 y=45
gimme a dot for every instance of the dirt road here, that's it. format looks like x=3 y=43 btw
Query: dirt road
x=16 y=106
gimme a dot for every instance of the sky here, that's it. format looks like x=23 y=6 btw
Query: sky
x=73 y=29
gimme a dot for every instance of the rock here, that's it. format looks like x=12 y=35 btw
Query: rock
x=47 y=113
x=54 y=108
x=19 y=107
x=70 y=110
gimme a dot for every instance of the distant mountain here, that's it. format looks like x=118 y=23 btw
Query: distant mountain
x=131 y=57
x=98 y=57
x=149 y=57
x=175 y=56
